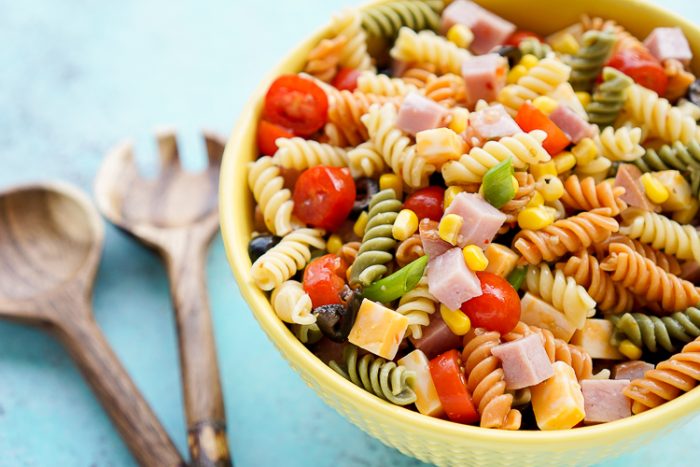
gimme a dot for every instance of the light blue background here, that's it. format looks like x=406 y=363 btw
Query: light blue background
x=77 y=76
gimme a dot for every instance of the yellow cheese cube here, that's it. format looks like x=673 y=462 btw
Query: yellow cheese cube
x=502 y=260
x=378 y=329
x=439 y=145
x=537 y=312
x=427 y=400
x=679 y=192
x=595 y=339
x=558 y=402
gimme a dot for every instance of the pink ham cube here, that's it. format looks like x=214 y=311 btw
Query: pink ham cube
x=628 y=177
x=481 y=220
x=492 y=123
x=433 y=245
x=484 y=76
x=631 y=370
x=489 y=29
x=450 y=281
x=571 y=123
x=525 y=362
x=604 y=401
x=669 y=43
x=418 y=113
x=437 y=338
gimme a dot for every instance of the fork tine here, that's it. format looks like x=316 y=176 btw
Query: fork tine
x=167 y=147
x=117 y=172
x=215 y=147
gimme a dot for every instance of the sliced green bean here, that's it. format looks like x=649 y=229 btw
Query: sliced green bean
x=398 y=284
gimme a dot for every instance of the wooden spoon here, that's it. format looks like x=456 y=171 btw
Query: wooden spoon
x=177 y=215
x=50 y=245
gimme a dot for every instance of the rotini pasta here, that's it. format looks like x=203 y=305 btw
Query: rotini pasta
x=586 y=195
x=532 y=46
x=448 y=90
x=372 y=83
x=345 y=112
x=419 y=74
x=541 y=79
x=354 y=54
x=307 y=334
x=426 y=46
x=665 y=261
x=301 y=154
x=525 y=192
x=348 y=252
x=409 y=250
x=292 y=304
x=621 y=144
x=322 y=62
x=275 y=201
x=609 y=98
x=385 y=20
x=659 y=333
x=662 y=233
x=675 y=157
x=365 y=160
x=417 y=305
x=586 y=65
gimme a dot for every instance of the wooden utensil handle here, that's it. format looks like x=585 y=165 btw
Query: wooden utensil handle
x=138 y=425
x=204 y=404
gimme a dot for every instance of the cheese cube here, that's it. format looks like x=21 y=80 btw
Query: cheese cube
x=502 y=260
x=537 y=312
x=427 y=400
x=439 y=145
x=558 y=402
x=595 y=339
x=378 y=329
x=680 y=194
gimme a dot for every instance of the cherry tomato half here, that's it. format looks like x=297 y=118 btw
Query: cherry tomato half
x=324 y=196
x=642 y=67
x=517 y=37
x=268 y=134
x=296 y=103
x=427 y=202
x=451 y=386
x=531 y=118
x=346 y=79
x=324 y=278
x=497 y=308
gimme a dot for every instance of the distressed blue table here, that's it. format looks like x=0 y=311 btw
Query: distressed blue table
x=75 y=78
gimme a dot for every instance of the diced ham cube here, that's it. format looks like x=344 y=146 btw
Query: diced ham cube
x=631 y=370
x=492 y=123
x=604 y=401
x=628 y=177
x=418 y=113
x=525 y=362
x=489 y=29
x=571 y=123
x=669 y=43
x=481 y=220
x=433 y=245
x=484 y=76
x=437 y=338
x=450 y=281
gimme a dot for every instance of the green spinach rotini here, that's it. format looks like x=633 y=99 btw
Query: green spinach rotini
x=676 y=157
x=609 y=97
x=384 y=21
x=588 y=62
x=655 y=333
x=532 y=46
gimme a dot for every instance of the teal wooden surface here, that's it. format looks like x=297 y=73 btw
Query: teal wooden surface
x=77 y=76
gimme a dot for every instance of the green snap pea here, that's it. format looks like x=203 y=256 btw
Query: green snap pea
x=517 y=277
x=498 y=184
x=398 y=284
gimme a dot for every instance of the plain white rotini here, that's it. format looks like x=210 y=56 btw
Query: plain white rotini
x=274 y=200
x=292 y=304
x=562 y=292
x=621 y=144
x=365 y=160
x=598 y=169
x=354 y=54
x=372 y=83
x=662 y=233
x=396 y=148
x=660 y=118
x=283 y=260
x=301 y=154
x=522 y=148
x=417 y=305
x=426 y=46
x=542 y=79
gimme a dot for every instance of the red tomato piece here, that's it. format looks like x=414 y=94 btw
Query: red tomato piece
x=296 y=103
x=268 y=134
x=427 y=202
x=531 y=118
x=642 y=67
x=497 y=308
x=324 y=196
x=346 y=79
x=451 y=385
x=324 y=278
x=517 y=37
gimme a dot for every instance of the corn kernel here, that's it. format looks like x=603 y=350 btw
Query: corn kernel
x=392 y=181
x=543 y=168
x=529 y=61
x=564 y=162
x=545 y=104
x=450 y=227
x=585 y=151
x=360 y=224
x=457 y=321
x=475 y=258
x=551 y=187
x=536 y=201
x=514 y=182
x=629 y=350
x=517 y=72
x=460 y=35
x=687 y=215
x=450 y=194
x=405 y=225
x=565 y=44
x=584 y=98
x=460 y=120
x=334 y=244
x=535 y=218
x=654 y=190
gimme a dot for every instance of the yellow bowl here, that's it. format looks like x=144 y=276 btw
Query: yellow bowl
x=429 y=439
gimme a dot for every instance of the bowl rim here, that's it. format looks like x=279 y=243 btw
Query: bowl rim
x=234 y=193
